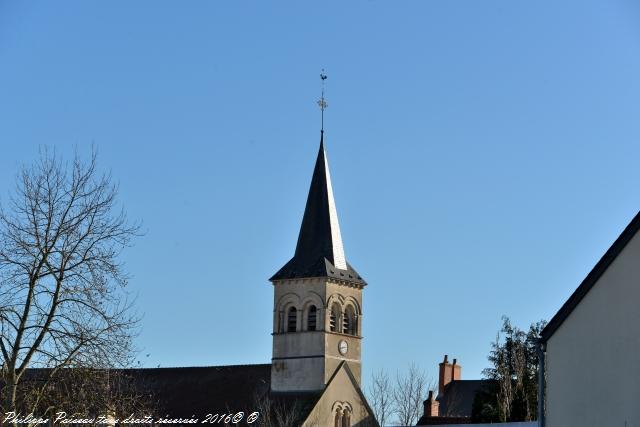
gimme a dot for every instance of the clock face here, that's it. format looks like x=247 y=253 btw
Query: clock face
x=343 y=347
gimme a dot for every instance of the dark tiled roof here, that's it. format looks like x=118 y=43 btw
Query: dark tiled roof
x=457 y=398
x=592 y=278
x=184 y=392
x=314 y=256
x=198 y=391
x=321 y=268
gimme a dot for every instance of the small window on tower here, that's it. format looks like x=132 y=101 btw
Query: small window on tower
x=349 y=325
x=292 y=319
x=312 y=319
x=334 y=318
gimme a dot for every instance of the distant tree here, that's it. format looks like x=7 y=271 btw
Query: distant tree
x=401 y=397
x=381 y=396
x=65 y=320
x=511 y=395
x=277 y=412
x=409 y=393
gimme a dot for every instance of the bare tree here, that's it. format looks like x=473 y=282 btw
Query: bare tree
x=381 y=396
x=275 y=412
x=408 y=394
x=62 y=298
x=263 y=405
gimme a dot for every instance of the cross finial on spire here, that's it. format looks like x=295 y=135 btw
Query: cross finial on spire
x=322 y=103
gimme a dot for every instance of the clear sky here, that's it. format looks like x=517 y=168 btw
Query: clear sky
x=484 y=155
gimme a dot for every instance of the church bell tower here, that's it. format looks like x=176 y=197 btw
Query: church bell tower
x=317 y=314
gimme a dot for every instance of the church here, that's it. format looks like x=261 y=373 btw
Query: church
x=314 y=376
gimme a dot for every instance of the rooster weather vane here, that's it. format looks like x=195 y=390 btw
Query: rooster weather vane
x=322 y=103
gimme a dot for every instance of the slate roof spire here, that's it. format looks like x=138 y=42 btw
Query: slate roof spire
x=319 y=251
x=320 y=230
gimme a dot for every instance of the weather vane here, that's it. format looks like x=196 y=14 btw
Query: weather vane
x=322 y=103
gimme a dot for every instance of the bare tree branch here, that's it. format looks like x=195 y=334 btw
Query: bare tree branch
x=381 y=396
x=408 y=394
x=63 y=302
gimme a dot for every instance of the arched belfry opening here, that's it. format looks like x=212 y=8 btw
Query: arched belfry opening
x=312 y=318
x=292 y=319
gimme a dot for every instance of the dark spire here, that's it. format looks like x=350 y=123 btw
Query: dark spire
x=319 y=251
x=320 y=231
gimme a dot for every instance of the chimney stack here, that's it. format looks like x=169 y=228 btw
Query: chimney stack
x=456 y=371
x=448 y=372
x=431 y=406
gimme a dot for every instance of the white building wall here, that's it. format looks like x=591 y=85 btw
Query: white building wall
x=593 y=359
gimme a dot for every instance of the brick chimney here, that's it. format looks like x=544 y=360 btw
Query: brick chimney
x=456 y=371
x=445 y=375
x=448 y=372
x=431 y=406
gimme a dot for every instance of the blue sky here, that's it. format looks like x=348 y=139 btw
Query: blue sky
x=484 y=155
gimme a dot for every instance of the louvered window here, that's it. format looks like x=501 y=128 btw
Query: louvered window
x=334 y=318
x=350 y=322
x=312 y=319
x=292 y=319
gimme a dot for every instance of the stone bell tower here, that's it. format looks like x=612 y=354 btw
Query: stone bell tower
x=317 y=314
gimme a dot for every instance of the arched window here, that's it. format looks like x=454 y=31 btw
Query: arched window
x=281 y=323
x=292 y=319
x=346 y=418
x=312 y=318
x=349 y=323
x=338 y=419
x=334 y=318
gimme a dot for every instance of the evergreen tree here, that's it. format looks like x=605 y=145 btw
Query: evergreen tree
x=511 y=394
